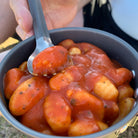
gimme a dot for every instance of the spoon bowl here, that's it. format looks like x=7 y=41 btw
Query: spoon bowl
x=41 y=44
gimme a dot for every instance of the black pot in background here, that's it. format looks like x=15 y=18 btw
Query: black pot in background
x=115 y=47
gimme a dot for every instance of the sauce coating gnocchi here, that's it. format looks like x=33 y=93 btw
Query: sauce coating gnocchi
x=82 y=88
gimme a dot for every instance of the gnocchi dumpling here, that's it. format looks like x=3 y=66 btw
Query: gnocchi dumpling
x=125 y=106
x=105 y=89
x=57 y=112
x=83 y=127
x=81 y=99
x=125 y=91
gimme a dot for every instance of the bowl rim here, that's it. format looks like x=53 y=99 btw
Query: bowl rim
x=111 y=129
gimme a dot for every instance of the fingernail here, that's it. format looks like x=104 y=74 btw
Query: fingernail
x=19 y=22
x=29 y=34
x=20 y=32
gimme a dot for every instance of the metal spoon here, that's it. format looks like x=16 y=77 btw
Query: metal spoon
x=42 y=36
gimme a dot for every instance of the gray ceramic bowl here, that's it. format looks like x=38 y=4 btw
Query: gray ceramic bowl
x=112 y=45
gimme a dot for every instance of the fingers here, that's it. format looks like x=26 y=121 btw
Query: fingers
x=23 y=16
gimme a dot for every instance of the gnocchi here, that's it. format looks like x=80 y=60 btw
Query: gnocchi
x=57 y=113
x=77 y=127
x=27 y=95
x=106 y=89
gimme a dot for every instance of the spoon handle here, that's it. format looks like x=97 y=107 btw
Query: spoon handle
x=39 y=24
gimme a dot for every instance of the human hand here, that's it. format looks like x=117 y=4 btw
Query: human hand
x=58 y=13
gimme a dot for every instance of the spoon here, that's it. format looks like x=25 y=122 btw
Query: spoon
x=42 y=36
